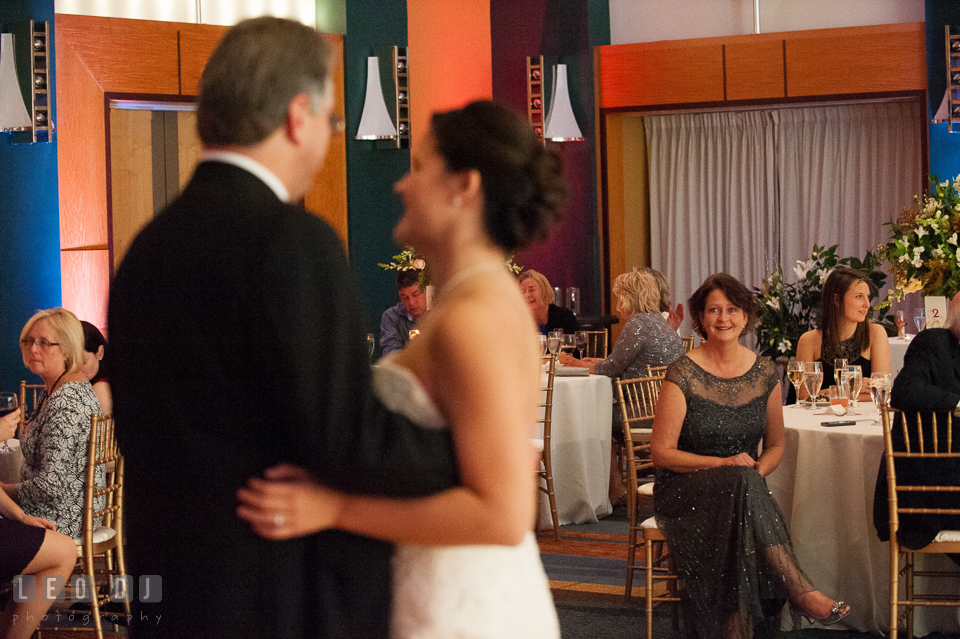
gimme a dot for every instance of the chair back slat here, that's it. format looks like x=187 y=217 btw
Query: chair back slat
x=596 y=344
x=33 y=391
x=687 y=344
x=657 y=371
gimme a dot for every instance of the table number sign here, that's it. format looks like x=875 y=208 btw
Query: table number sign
x=936 y=307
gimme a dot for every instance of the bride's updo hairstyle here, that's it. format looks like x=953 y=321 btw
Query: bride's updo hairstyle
x=522 y=181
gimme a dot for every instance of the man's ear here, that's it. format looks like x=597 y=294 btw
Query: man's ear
x=297 y=112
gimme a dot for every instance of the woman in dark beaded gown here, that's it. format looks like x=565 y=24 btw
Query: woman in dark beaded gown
x=711 y=501
x=845 y=331
x=646 y=339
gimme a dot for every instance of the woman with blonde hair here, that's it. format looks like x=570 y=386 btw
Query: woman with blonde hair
x=54 y=440
x=646 y=339
x=539 y=295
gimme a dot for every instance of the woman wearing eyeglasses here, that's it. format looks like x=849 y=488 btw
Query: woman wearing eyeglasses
x=54 y=440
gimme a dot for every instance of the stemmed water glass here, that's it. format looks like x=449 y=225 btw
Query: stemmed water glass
x=920 y=317
x=838 y=365
x=553 y=341
x=795 y=375
x=852 y=383
x=880 y=386
x=8 y=404
x=812 y=379
x=583 y=340
x=543 y=344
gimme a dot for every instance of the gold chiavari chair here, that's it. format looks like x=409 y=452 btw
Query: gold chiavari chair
x=656 y=371
x=596 y=344
x=545 y=473
x=927 y=439
x=100 y=564
x=31 y=391
x=687 y=344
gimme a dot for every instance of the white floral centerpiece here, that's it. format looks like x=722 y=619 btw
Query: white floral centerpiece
x=922 y=251
x=408 y=260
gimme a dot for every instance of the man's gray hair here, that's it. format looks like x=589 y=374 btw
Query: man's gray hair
x=258 y=67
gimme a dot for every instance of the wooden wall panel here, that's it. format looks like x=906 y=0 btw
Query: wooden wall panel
x=661 y=73
x=197 y=42
x=131 y=177
x=81 y=155
x=126 y=56
x=327 y=197
x=857 y=60
x=755 y=70
x=188 y=145
x=86 y=284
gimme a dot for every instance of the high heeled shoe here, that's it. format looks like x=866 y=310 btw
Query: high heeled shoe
x=838 y=612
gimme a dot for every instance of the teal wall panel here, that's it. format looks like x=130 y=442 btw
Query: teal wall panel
x=29 y=216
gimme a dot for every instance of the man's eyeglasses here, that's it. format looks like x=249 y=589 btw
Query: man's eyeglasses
x=337 y=123
x=28 y=343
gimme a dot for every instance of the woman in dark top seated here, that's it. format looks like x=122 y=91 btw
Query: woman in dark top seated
x=28 y=546
x=537 y=291
x=845 y=331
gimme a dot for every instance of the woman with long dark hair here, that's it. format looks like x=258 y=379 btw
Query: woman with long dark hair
x=845 y=331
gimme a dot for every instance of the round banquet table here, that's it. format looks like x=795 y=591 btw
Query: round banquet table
x=824 y=486
x=580 y=445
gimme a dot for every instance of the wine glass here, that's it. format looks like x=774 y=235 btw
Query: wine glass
x=568 y=342
x=901 y=321
x=880 y=386
x=812 y=379
x=542 y=339
x=852 y=383
x=838 y=365
x=371 y=344
x=583 y=340
x=8 y=404
x=795 y=375
x=553 y=341
x=920 y=317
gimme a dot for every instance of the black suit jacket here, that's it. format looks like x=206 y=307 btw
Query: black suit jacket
x=929 y=381
x=237 y=338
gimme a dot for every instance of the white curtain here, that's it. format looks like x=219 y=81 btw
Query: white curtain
x=741 y=191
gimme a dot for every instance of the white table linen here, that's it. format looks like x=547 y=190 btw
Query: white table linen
x=898 y=348
x=580 y=449
x=824 y=485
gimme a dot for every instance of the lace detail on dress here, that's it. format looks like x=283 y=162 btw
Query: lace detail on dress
x=461 y=592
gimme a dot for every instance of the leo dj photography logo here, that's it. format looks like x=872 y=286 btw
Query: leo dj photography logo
x=83 y=589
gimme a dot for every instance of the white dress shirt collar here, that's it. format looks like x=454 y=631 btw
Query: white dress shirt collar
x=250 y=165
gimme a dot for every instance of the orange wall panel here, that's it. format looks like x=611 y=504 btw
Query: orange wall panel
x=126 y=56
x=755 y=70
x=857 y=60
x=86 y=284
x=197 y=42
x=662 y=73
x=81 y=155
x=449 y=56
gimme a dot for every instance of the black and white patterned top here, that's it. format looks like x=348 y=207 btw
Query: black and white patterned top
x=54 y=446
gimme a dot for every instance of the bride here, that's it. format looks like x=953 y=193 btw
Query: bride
x=467 y=565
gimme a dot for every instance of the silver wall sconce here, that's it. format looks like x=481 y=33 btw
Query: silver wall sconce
x=13 y=111
x=559 y=124
x=376 y=122
x=14 y=115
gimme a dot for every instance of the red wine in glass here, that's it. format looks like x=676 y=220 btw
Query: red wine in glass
x=8 y=404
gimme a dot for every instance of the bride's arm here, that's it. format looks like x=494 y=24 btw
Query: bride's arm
x=491 y=411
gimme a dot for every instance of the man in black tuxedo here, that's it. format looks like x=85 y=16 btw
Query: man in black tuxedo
x=237 y=334
x=928 y=382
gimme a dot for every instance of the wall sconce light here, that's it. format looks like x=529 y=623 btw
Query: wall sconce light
x=559 y=125
x=13 y=111
x=14 y=116
x=376 y=122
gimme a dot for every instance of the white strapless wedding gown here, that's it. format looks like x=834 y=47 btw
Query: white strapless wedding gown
x=459 y=592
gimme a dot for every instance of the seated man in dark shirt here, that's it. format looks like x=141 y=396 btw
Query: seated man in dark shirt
x=397 y=321
x=928 y=381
